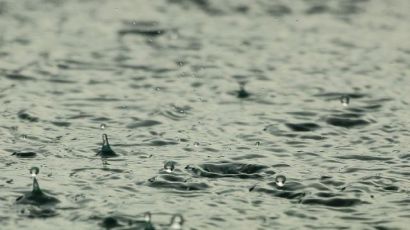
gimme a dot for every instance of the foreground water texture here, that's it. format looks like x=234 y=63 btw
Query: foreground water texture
x=234 y=114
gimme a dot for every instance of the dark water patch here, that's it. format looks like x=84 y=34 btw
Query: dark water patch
x=61 y=81
x=145 y=123
x=161 y=143
x=346 y=122
x=364 y=158
x=303 y=114
x=19 y=77
x=177 y=183
x=334 y=202
x=26 y=116
x=303 y=127
x=38 y=212
x=143 y=28
x=24 y=154
x=280 y=193
x=227 y=169
x=318 y=9
x=278 y=10
x=249 y=157
x=61 y=123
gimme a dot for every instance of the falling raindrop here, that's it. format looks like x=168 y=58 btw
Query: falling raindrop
x=280 y=180
x=345 y=100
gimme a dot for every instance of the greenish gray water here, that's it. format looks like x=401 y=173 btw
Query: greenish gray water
x=163 y=80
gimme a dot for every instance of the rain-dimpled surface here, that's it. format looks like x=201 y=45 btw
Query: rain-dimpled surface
x=232 y=92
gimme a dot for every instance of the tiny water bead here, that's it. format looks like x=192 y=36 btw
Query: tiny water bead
x=280 y=180
x=196 y=144
x=106 y=150
x=34 y=171
x=169 y=166
x=176 y=222
x=102 y=126
x=345 y=100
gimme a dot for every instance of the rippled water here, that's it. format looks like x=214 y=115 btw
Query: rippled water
x=227 y=94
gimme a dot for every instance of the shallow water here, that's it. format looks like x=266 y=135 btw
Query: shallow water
x=163 y=80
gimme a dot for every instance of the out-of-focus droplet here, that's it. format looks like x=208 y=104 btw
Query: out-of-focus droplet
x=177 y=221
x=345 y=100
x=147 y=217
x=102 y=126
x=258 y=143
x=196 y=144
x=280 y=180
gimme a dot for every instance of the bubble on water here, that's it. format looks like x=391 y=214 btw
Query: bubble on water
x=345 y=100
x=102 y=126
x=169 y=166
x=280 y=180
x=177 y=221
x=34 y=171
x=196 y=144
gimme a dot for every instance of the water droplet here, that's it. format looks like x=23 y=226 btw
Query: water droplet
x=280 y=180
x=169 y=166
x=157 y=89
x=147 y=217
x=102 y=126
x=345 y=100
x=177 y=221
x=196 y=144
x=34 y=171
x=24 y=136
x=258 y=143
x=134 y=22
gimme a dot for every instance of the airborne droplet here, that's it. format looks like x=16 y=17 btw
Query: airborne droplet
x=280 y=180
x=34 y=171
x=345 y=100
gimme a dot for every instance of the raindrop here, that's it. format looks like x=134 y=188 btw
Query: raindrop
x=176 y=222
x=147 y=217
x=34 y=171
x=345 y=100
x=102 y=126
x=280 y=180
x=169 y=166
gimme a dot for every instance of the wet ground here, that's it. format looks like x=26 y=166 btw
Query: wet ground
x=227 y=94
